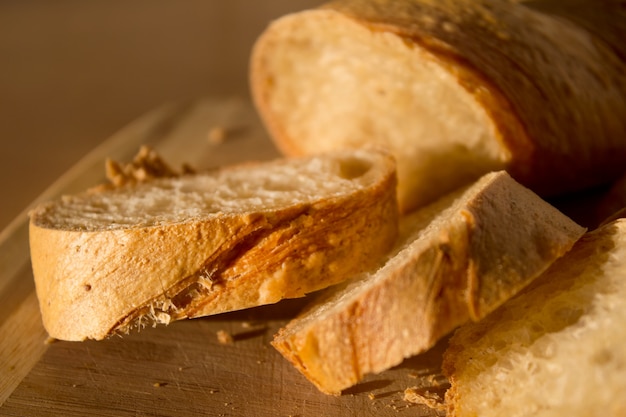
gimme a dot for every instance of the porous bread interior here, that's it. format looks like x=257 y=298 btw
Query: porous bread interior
x=333 y=82
x=246 y=188
x=556 y=350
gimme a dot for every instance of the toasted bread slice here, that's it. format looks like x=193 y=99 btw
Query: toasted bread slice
x=193 y=245
x=478 y=248
x=455 y=88
x=558 y=348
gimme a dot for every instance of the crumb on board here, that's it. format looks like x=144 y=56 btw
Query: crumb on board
x=397 y=407
x=146 y=165
x=159 y=384
x=415 y=395
x=430 y=379
x=224 y=338
x=437 y=380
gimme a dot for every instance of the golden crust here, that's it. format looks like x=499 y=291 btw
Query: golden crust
x=88 y=283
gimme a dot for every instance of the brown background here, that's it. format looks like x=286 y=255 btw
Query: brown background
x=73 y=72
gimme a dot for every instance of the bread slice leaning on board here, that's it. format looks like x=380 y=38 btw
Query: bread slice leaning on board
x=180 y=247
x=457 y=260
x=456 y=88
x=555 y=350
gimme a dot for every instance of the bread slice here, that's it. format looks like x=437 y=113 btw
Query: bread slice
x=455 y=88
x=181 y=247
x=555 y=350
x=479 y=247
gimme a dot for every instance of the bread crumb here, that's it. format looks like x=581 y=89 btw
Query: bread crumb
x=224 y=338
x=414 y=395
x=146 y=165
x=162 y=317
x=397 y=408
x=371 y=396
x=159 y=384
x=217 y=135
x=429 y=378
x=437 y=380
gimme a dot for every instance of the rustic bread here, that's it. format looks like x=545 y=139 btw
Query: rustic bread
x=555 y=350
x=166 y=249
x=455 y=88
x=477 y=249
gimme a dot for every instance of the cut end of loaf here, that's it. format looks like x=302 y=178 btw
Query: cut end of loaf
x=190 y=246
x=322 y=80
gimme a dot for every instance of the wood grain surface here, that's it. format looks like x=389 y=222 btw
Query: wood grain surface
x=181 y=369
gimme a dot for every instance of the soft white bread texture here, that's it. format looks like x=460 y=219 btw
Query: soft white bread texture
x=181 y=247
x=455 y=88
x=456 y=261
x=555 y=350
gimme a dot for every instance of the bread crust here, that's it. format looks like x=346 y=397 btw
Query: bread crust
x=528 y=357
x=94 y=283
x=487 y=245
x=550 y=76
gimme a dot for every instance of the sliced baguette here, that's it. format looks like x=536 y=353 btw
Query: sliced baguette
x=455 y=88
x=478 y=248
x=555 y=350
x=166 y=249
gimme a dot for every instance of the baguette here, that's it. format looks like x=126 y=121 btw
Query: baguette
x=456 y=260
x=165 y=249
x=455 y=89
x=555 y=350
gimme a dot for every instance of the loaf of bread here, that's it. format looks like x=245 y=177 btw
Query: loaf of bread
x=456 y=260
x=555 y=350
x=455 y=88
x=162 y=249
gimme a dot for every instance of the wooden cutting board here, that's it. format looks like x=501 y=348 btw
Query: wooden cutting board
x=181 y=369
